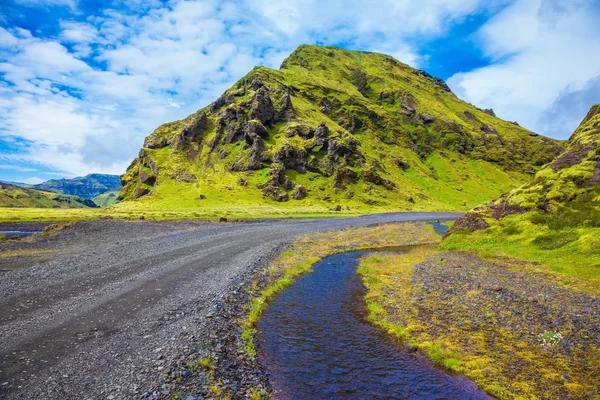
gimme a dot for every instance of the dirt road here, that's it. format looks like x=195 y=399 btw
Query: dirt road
x=111 y=301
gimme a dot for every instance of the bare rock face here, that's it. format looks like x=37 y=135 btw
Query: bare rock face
x=262 y=107
x=300 y=192
x=470 y=221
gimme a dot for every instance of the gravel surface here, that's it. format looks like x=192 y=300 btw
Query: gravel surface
x=116 y=303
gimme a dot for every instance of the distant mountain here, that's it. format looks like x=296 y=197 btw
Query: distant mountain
x=21 y=184
x=334 y=127
x=88 y=186
x=16 y=196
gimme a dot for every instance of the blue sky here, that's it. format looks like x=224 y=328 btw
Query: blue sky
x=82 y=82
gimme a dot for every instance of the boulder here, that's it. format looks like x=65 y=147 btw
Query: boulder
x=300 y=192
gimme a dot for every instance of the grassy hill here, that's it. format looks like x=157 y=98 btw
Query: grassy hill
x=19 y=197
x=554 y=219
x=88 y=186
x=107 y=198
x=334 y=127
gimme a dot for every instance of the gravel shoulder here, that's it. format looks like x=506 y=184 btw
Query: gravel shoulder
x=115 y=304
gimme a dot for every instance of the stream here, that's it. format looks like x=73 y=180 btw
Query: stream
x=316 y=343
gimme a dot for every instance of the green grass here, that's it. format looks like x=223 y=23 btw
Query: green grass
x=572 y=252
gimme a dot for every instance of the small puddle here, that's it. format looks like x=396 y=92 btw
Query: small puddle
x=316 y=344
x=17 y=234
x=439 y=227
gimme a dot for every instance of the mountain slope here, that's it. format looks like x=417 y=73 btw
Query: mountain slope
x=88 y=186
x=555 y=218
x=335 y=127
x=15 y=196
x=107 y=198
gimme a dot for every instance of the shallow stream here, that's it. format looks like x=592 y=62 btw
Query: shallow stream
x=316 y=344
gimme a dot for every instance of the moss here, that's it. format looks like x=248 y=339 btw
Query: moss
x=360 y=97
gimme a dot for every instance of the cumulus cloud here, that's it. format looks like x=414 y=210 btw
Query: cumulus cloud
x=83 y=100
x=542 y=50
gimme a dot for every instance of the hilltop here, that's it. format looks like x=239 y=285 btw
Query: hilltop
x=336 y=127
x=21 y=197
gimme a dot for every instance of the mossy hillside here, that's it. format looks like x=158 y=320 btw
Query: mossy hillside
x=334 y=127
x=19 y=197
x=107 y=198
x=554 y=219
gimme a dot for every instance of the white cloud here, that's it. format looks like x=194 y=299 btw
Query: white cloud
x=543 y=49
x=33 y=180
x=83 y=101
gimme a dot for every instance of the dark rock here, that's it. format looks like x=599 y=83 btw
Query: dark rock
x=201 y=197
x=514 y=123
x=570 y=158
x=262 y=107
x=326 y=106
x=291 y=157
x=139 y=192
x=147 y=178
x=191 y=132
x=337 y=208
x=188 y=178
x=344 y=176
x=225 y=99
x=505 y=209
x=371 y=175
x=426 y=119
x=437 y=81
x=222 y=219
x=256 y=84
x=470 y=221
x=533 y=134
x=489 y=111
x=408 y=105
x=488 y=128
x=275 y=193
x=300 y=192
x=253 y=128
x=359 y=78
x=470 y=116
x=402 y=164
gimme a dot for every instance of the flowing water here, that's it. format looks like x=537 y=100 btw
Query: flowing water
x=17 y=234
x=316 y=344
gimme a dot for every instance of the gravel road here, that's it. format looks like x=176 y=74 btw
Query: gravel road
x=110 y=303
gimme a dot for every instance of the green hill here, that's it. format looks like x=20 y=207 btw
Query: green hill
x=335 y=127
x=15 y=196
x=107 y=198
x=88 y=186
x=555 y=218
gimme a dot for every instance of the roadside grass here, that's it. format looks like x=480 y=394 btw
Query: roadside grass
x=310 y=249
x=566 y=247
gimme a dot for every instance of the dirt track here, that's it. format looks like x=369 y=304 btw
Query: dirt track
x=112 y=301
